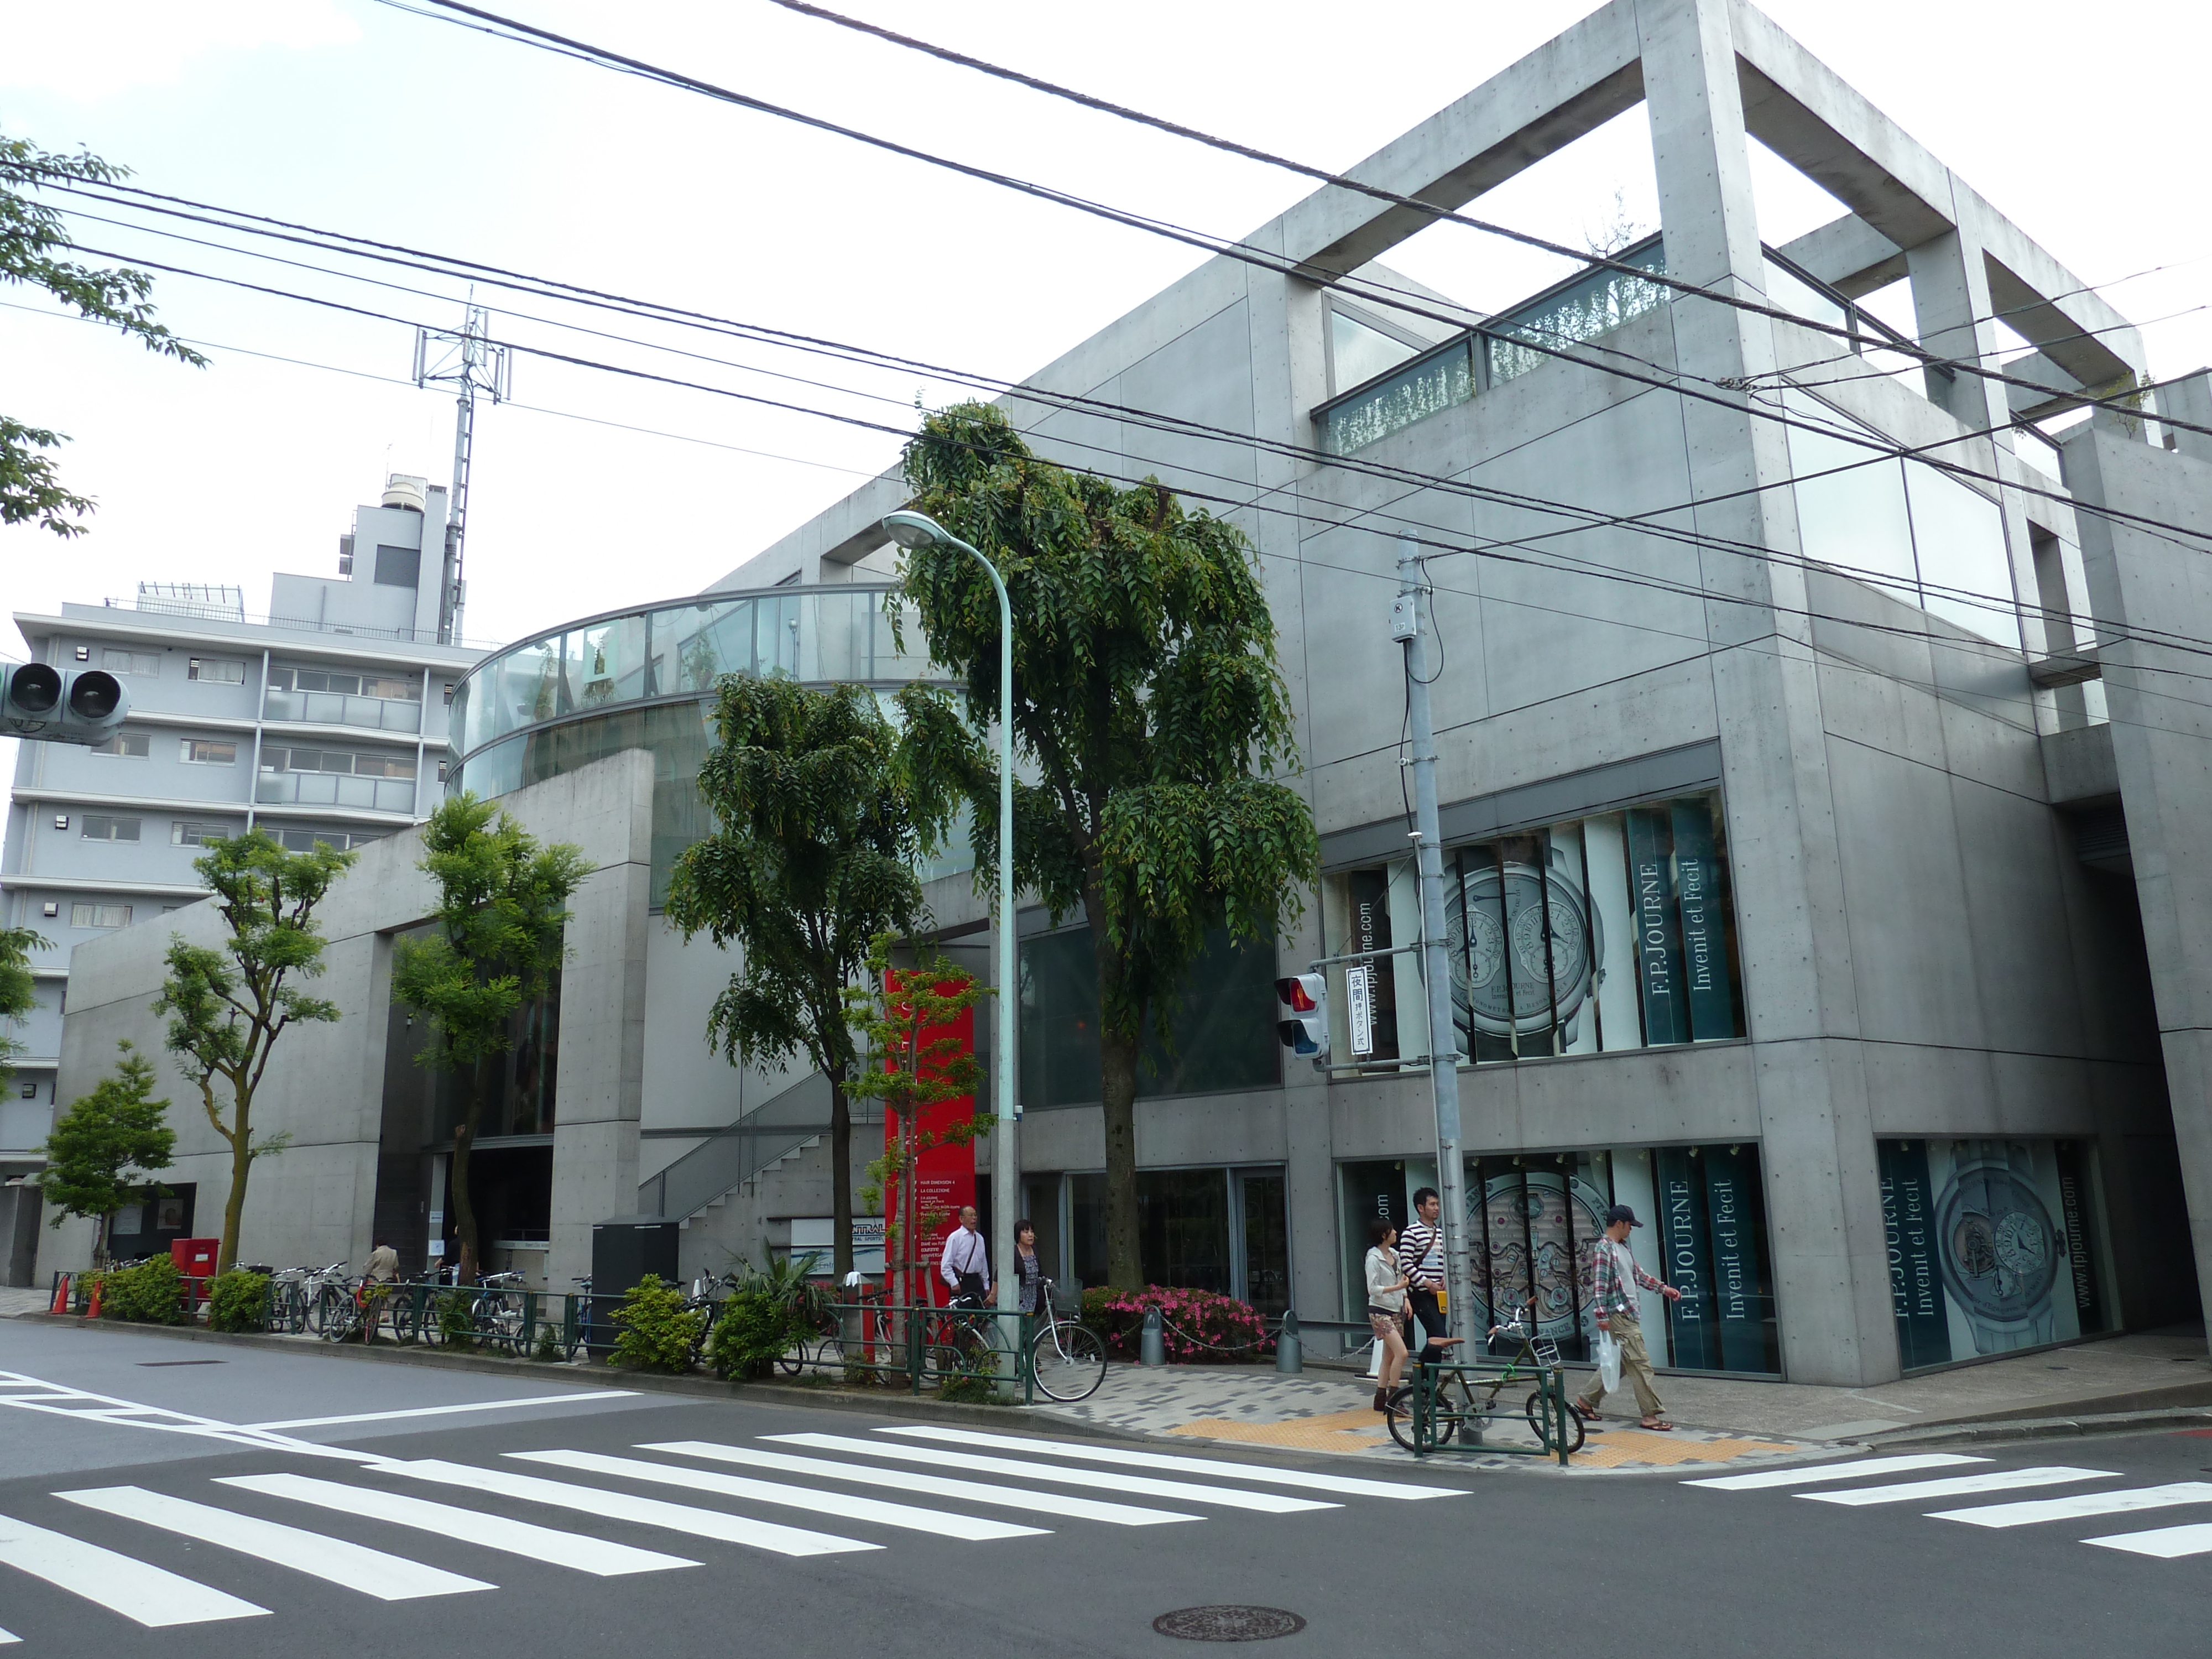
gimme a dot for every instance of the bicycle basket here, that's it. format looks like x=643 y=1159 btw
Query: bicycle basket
x=1546 y=1352
x=1066 y=1299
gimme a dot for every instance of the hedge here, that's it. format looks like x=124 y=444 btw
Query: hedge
x=1199 y=1328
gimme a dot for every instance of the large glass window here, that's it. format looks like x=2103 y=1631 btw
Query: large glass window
x=1910 y=529
x=1220 y=1033
x=1606 y=932
x=1209 y=1229
x=1358 y=351
x=1993 y=1246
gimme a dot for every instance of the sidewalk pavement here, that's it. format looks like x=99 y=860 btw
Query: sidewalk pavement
x=1720 y=1420
x=14 y=1302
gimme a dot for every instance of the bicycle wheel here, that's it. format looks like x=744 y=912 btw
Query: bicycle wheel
x=1575 y=1432
x=795 y=1358
x=1068 y=1361
x=315 y=1309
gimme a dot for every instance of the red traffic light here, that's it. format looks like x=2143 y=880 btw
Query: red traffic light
x=1295 y=991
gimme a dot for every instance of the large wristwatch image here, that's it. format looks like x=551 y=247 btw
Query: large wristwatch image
x=1526 y=946
x=1998 y=1253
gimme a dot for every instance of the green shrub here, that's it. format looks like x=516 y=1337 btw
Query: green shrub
x=455 y=1312
x=238 y=1301
x=658 y=1332
x=548 y=1343
x=753 y=1332
x=150 y=1293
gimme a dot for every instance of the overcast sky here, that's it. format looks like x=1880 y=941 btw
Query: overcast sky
x=354 y=116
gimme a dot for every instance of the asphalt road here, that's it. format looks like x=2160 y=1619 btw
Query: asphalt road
x=587 y=1522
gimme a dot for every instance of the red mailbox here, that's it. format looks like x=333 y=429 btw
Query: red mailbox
x=195 y=1259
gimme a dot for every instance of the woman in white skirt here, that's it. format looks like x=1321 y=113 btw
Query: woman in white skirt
x=1386 y=1304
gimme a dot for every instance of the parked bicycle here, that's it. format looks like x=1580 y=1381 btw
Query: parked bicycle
x=1068 y=1360
x=1465 y=1404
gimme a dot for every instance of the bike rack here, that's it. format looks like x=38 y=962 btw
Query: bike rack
x=1551 y=1388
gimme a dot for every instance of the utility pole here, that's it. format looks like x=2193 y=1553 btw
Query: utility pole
x=1435 y=955
x=469 y=361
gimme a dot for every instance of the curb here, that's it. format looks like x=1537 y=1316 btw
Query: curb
x=2041 y=1428
x=1030 y=1419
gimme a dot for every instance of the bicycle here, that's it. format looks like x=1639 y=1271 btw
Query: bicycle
x=496 y=1314
x=1067 y=1360
x=1458 y=1408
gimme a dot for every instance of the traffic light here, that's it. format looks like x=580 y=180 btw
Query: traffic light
x=80 y=705
x=1305 y=1032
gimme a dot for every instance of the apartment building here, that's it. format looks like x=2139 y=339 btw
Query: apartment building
x=323 y=720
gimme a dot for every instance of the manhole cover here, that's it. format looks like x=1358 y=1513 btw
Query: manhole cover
x=1228 y=1624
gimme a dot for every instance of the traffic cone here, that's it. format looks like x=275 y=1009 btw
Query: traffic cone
x=93 y=1311
x=61 y=1294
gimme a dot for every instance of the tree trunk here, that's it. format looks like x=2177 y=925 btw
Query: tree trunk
x=99 y=1240
x=1117 y=1093
x=242 y=1165
x=841 y=1179
x=465 y=1214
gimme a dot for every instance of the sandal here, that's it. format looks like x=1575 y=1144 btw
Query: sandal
x=1659 y=1424
x=1587 y=1414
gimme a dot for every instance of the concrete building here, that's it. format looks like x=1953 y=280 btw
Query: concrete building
x=326 y=721
x=1822 y=769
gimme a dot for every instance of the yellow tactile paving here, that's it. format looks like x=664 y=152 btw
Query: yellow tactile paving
x=1352 y=1431
x=1620 y=1447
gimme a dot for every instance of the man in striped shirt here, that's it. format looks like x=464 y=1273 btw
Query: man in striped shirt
x=1421 y=1261
x=1614 y=1277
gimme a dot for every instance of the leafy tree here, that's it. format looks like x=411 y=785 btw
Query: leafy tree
x=818 y=832
x=909 y=1071
x=228 y=1005
x=503 y=905
x=18 y=989
x=116 y=1128
x=1148 y=709
x=30 y=232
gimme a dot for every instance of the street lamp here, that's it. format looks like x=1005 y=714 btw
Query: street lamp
x=916 y=531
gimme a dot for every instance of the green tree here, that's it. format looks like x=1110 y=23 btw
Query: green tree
x=31 y=232
x=228 y=1006
x=818 y=830
x=496 y=945
x=910 y=1071
x=116 y=1128
x=18 y=989
x=1148 y=709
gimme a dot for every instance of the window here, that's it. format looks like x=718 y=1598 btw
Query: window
x=1358 y=351
x=399 y=567
x=132 y=744
x=391 y=687
x=148 y=663
x=207 y=751
x=99 y=915
x=216 y=671
x=383 y=766
x=370 y=765
x=1606 y=932
x=102 y=826
x=183 y=832
x=449 y=694
x=303 y=840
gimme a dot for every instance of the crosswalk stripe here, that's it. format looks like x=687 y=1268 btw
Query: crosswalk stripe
x=149 y=1595
x=8 y=1636
x=1347 y=1485
x=357 y=1567
x=2165 y=1543
x=623 y=1506
x=944 y=1524
x=1911 y=1492
x=1137 y=1485
x=972 y=1491
x=2081 y=1504
x=1859 y=1466
x=599 y=1557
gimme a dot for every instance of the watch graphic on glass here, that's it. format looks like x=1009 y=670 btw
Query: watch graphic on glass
x=1999 y=1254
x=1500 y=951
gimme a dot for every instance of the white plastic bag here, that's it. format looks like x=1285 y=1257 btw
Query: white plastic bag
x=1609 y=1361
x=1375 y=1360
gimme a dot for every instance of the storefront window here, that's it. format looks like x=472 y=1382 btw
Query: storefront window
x=1207 y=1229
x=1992 y=1246
x=1606 y=932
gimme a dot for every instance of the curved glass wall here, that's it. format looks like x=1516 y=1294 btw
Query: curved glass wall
x=645 y=679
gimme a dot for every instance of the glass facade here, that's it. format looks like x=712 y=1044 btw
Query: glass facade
x=1223 y=1033
x=1600 y=934
x=1994 y=1246
x=1210 y=1229
x=551 y=705
x=1532 y=1218
x=1903 y=527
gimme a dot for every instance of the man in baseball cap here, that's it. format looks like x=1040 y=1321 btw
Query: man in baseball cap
x=1615 y=1278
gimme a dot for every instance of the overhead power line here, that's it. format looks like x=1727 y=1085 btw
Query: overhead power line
x=522 y=33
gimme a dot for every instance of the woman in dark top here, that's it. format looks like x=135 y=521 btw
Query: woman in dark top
x=1027 y=1272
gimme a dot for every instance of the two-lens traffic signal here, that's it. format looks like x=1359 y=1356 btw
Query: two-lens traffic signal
x=1305 y=1033
x=80 y=705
